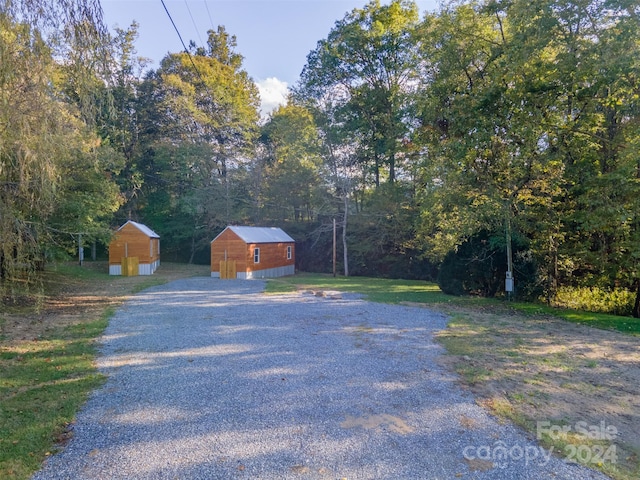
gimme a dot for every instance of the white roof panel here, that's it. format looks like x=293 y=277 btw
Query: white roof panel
x=143 y=228
x=261 y=234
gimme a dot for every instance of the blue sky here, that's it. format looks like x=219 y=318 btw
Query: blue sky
x=274 y=36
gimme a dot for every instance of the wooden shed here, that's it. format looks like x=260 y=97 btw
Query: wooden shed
x=135 y=250
x=252 y=252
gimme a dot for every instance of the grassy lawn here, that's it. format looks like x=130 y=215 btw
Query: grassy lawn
x=47 y=353
x=376 y=289
x=527 y=362
x=44 y=382
x=415 y=291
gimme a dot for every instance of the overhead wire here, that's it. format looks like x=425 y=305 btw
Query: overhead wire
x=194 y=22
x=209 y=13
x=186 y=49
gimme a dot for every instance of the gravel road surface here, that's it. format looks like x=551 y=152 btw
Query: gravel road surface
x=211 y=379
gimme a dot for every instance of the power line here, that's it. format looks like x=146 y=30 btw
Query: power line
x=194 y=22
x=185 y=49
x=174 y=26
x=209 y=13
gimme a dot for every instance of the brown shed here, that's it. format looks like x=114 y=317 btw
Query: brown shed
x=134 y=241
x=252 y=252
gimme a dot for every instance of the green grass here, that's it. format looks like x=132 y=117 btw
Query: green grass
x=45 y=379
x=80 y=273
x=603 y=321
x=44 y=382
x=375 y=289
x=396 y=291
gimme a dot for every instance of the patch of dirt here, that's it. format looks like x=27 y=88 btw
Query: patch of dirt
x=68 y=301
x=477 y=465
x=378 y=421
x=545 y=373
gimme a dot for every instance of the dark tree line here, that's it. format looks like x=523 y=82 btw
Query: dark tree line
x=485 y=137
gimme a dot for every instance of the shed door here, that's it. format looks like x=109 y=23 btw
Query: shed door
x=227 y=269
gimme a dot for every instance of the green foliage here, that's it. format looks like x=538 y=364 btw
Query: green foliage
x=29 y=140
x=290 y=172
x=524 y=133
x=473 y=268
x=367 y=66
x=381 y=241
x=52 y=168
x=479 y=265
x=595 y=299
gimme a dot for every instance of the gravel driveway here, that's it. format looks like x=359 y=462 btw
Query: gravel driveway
x=211 y=379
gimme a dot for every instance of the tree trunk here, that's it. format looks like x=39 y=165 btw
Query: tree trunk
x=392 y=168
x=377 y=170
x=636 y=307
x=344 y=236
x=552 y=271
x=193 y=249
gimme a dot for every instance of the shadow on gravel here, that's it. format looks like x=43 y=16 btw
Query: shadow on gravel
x=212 y=379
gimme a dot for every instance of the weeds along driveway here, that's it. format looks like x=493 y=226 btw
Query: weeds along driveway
x=211 y=379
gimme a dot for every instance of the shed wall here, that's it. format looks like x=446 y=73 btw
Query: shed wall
x=235 y=249
x=131 y=242
x=273 y=257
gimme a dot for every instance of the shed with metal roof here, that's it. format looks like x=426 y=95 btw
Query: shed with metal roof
x=134 y=250
x=252 y=252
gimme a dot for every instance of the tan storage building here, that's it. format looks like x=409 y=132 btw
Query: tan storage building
x=135 y=250
x=252 y=252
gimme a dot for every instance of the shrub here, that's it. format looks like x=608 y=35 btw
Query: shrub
x=617 y=301
x=479 y=265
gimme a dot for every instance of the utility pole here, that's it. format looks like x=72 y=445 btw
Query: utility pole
x=80 y=250
x=508 y=282
x=334 y=247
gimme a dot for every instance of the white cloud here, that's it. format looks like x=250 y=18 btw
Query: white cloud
x=273 y=92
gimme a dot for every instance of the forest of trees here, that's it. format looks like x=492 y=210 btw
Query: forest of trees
x=454 y=145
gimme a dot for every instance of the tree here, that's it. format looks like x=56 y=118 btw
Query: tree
x=87 y=196
x=291 y=184
x=119 y=125
x=370 y=60
x=527 y=135
x=198 y=122
x=40 y=130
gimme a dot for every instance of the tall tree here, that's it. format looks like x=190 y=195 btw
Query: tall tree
x=370 y=57
x=198 y=121
x=291 y=183
x=40 y=128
